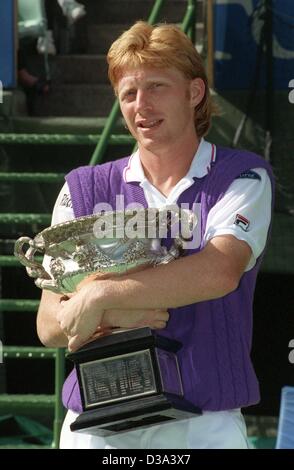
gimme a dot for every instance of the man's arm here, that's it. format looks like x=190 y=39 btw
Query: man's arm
x=48 y=328
x=212 y=273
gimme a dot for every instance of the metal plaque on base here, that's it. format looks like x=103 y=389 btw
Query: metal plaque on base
x=128 y=380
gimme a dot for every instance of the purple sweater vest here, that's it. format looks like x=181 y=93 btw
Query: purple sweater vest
x=215 y=362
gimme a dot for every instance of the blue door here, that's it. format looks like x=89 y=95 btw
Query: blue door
x=7 y=44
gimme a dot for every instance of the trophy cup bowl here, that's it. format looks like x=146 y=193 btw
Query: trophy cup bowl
x=129 y=378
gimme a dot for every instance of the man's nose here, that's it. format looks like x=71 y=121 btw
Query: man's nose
x=143 y=102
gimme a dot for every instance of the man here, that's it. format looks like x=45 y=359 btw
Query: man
x=72 y=11
x=164 y=97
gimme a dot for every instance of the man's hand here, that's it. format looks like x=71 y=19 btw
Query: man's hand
x=81 y=319
x=79 y=315
x=75 y=342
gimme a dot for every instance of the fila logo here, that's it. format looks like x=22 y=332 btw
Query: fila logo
x=66 y=201
x=242 y=222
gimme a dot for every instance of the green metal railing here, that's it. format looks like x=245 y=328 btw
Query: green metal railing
x=19 y=305
x=63 y=139
x=32 y=177
x=37 y=401
x=14 y=218
x=12 y=261
x=20 y=401
x=58 y=407
x=101 y=141
x=27 y=352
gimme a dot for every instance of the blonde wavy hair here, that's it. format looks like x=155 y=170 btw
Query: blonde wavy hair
x=162 y=45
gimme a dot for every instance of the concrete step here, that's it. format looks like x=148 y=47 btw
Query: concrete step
x=75 y=100
x=101 y=36
x=125 y=11
x=14 y=103
x=80 y=68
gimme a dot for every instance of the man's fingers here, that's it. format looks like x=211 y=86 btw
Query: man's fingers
x=159 y=324
x=66 y=297
x=160 y=319
x=162 y=315
x=100 y=332
x=74 y=343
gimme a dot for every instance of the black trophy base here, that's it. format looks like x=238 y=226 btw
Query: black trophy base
x=136 y=414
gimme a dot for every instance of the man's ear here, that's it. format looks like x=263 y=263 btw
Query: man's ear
x=197 y=91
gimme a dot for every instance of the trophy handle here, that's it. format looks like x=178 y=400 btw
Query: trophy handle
x=33 y=267
x=173 y=253
x=48 y=284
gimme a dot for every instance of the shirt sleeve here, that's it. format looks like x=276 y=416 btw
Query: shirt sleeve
x=244 y=212
x=62 y=212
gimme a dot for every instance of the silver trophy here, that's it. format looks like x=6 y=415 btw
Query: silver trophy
x=110 y=242
x=130 y=378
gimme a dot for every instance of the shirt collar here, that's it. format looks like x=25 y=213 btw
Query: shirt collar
x=200 y=166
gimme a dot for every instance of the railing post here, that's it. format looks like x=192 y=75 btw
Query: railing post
x=155 y=11
x=104 y=139
x=188 y=24
x=210 y=43
x=58 y=407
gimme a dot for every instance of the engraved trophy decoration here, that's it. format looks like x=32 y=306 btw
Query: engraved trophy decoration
x=129 y=378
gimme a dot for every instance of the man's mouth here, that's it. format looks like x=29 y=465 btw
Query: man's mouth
x=149 y=124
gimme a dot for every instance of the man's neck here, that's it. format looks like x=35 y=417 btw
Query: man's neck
x=165 y=168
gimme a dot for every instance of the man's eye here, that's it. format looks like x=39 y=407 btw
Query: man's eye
x=128 y=95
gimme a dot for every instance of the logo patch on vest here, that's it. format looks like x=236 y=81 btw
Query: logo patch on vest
x=250 y=174
x=242 y=222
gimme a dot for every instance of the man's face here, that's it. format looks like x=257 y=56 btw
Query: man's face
x=158 y=106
